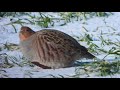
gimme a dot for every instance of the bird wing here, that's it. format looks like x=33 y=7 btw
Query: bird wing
x=58 y=40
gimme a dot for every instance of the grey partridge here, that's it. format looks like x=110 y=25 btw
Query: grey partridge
x=51 y=48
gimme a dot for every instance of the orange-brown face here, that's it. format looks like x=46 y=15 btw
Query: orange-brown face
x=25 y=32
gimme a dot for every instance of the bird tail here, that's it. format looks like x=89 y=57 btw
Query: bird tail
x=90 y=56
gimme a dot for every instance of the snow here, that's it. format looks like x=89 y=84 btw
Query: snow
x=93 y=26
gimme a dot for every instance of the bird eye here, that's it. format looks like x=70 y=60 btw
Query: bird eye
x=27 y=30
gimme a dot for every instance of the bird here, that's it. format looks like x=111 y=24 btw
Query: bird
x=50 y=48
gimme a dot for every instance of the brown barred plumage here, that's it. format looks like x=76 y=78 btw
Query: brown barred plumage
x=51 y=48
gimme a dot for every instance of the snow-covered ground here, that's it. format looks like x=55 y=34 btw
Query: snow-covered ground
x=108 y=26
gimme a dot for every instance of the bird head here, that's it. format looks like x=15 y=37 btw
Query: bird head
x=25 y=33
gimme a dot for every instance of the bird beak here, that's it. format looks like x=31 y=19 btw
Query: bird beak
x=21 y=31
